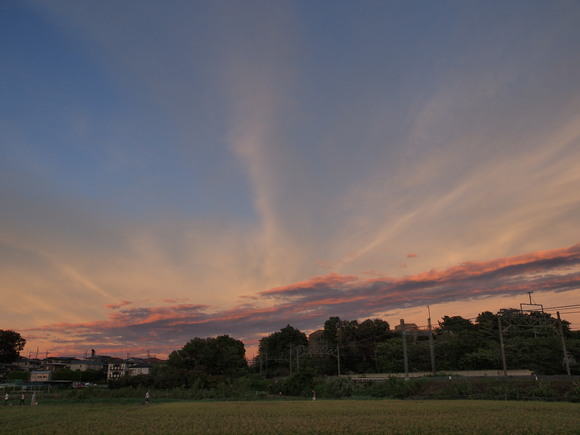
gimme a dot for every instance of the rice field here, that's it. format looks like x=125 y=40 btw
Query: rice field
x=295 y=417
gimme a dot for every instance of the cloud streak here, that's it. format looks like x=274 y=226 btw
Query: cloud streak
x=308 y=304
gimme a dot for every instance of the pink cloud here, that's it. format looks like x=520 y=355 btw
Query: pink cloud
x=117 y=306
x=307 y=304
x=317 y=282
x=174 y=300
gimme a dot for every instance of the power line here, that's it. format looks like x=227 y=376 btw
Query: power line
x=563 y=306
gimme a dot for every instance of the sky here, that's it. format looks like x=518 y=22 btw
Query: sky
x=171 y=170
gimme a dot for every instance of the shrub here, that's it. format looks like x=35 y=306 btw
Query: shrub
x=335 y=388
x=297 y=384
x=17 y=374
x=394 y=388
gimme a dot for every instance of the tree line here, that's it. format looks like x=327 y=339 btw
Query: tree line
x=531 y=341
x=520 y=340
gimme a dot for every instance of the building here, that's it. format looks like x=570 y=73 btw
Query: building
x=40 y=376
x=139 y=369
x=57 y=363
x=132 y=367
x=117 y=370
x=84 y=365
x=28 y=364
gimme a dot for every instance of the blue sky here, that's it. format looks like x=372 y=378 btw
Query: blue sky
x=163 y=157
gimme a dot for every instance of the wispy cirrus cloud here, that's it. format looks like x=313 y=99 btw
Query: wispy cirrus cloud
x=309 y=303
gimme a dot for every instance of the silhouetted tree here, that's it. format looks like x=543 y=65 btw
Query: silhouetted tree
x=455 y=324
x=278 y=350
x=210 y=360
x=11 y=343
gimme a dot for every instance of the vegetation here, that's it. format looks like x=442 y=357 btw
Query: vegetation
x=202 y=364
x=291 y=364
x=78 y=375
x=277 y=349
x=17 y=375
x=532 y=342
x=11 y=343
x=339 y=417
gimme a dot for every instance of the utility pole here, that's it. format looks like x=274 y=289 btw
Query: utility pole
x=431 y=345
x=405 y=359
x=502 y=347
x=338 y=335
x=566 y=358
x=297 y=359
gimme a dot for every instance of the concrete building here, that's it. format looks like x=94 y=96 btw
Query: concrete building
x=40 y=376
x=117 y=370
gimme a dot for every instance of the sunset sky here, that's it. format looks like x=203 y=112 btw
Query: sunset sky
x=180 y=169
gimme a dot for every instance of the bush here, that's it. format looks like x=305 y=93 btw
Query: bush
x=393 y=388
x=335 y=388
x=17 y=374
x=297 y=384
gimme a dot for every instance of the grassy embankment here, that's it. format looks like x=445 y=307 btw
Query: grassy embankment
x=280 y=416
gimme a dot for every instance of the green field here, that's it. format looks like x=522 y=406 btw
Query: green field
x=263 y=417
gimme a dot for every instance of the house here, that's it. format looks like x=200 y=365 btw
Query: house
x=131 y=367
x=139 y=369
x=84 y=365
x=28 y=364
x=54 y=363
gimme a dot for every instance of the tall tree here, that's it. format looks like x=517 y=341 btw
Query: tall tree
x=455 y=324
x=223 y=355
x=486 y=324
x=368 y=334
x=357 y=341
x=11 y=343
x=278 y=349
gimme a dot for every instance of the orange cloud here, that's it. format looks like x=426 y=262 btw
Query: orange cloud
x=117 y=306
x=307 y=304
x=317 y=282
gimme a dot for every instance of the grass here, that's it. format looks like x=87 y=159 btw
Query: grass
x=295 y=417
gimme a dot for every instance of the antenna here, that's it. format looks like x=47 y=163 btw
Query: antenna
x=532 y=306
